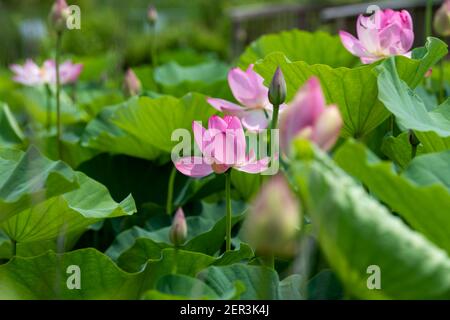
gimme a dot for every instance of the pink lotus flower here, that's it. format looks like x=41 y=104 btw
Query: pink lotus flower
x=383 y=34
x=248 y=88
x=30 y=74
x=307 y=116
x=223 y=146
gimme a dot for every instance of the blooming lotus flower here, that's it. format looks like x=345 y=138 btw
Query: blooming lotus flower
x=248 y=88
x=223 y=146
x=178 y=230
x=308 y=116
x=274 y=219
x=30 y=74
x=385 y=33
x=442 y=19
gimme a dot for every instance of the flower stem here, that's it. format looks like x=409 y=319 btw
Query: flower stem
x=276 y=111
x=228 y=209
x=428 y=18
x=391 y=124
x=175 y=261
x=441 y=81
x=48 y=102
x=153 y=50
x=58 y=89
x=169 y=207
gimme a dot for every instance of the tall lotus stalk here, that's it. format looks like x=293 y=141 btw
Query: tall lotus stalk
x=442 y=28
x=48 y=97
x=58 y=16
x=152 y=18
x=223 y=147
x=170 y=190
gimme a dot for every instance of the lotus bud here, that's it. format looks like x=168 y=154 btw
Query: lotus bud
x=132 y=84
x=152 y=15
x=327 y=128
x=277 y=90
x=442 y=20
x=273 y=222
x=178 y=231
x=58 y=15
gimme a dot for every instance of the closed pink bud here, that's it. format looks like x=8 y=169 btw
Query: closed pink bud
x=327 y=128
x=274 y=220
x=178 y=231
x=442 y=20
x=152 y=15
x=59 y=14
x=307 y=116
x=132 y=84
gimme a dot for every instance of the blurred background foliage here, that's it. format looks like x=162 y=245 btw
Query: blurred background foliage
x=190 y=27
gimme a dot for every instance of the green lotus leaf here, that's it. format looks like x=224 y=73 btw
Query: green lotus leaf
x=11 y=136
x=425 y=180
x=356 y=232
x=431 y=124
x=313 y=48
x=28 y=179
x=102 y=134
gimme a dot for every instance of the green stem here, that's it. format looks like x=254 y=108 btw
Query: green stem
x=228 y=209
x=175 y=261
x=169 y=207
x=392 y=123
x=429 y=18
x=13 y=248
x=441 y=81
x=154 y=54
x=274 y=125
x=48 y=92
x=58 y=89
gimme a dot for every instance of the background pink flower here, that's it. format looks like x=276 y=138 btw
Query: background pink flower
x=249 y=90
x=383 y=34
x=30 y=74
x=223 y=146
